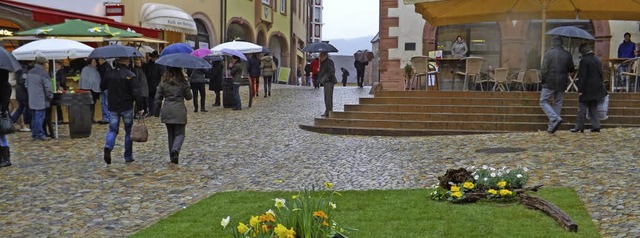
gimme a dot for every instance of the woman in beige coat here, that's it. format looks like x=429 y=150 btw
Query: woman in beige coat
x=171 y=93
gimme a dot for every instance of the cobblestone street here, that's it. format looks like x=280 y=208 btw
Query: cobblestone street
x=63 y=188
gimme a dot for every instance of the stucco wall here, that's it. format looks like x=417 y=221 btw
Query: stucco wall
x=409 y=31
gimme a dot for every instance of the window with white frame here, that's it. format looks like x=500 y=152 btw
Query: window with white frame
x=268 y=2
x=283 y=6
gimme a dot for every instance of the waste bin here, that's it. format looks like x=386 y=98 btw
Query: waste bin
x=80 y=116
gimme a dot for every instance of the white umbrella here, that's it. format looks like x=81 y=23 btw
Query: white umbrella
x=242 y=46
x=52 y=49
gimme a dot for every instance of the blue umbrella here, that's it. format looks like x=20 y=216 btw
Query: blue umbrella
x=177 y=48
x=8 y=61
x=231 y=52
x=114 y=51
x=183 y=60
x=571 y=31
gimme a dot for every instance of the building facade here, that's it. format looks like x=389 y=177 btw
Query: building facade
x=315 y=28
x=509 y=44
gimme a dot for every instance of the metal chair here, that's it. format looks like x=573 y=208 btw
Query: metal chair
x=472 y=70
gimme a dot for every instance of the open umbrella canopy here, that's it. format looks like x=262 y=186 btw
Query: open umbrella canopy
x=8 y=61
x=201 y=53
x=183 y=60
x=115 y=51
x=231 y=52
x=177 y=48
x=52 y=49
x=447 y=12
x=571 y=31
x=320 y=46
x=78 y=28
x=363 y=55
x=242 y=46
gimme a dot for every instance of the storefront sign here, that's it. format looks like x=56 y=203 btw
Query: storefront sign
x=114 y=10
x=5 y=32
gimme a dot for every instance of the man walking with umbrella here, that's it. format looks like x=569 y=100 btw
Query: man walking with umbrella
x=326 y=73
x=556 y=66
x=124 y=89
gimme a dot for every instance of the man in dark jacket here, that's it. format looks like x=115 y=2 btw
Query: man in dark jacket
x=104 y=68
x=327 y=76
x=154 y=74
x=345 y=76
x=40 y=95
x=215 y=84
x=556 y=66
x=124 y=89
x=590 y=87
x=23 y=99
x=360 y=66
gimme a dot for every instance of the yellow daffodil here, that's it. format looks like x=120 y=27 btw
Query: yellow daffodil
x=265 y=228
x=502 y=184
x=332 y=205
x=225 y=222
x=280 y=202
x=253 y=222
x=505 y=192
x=242 y=228
x=282 y=231
x=320 y=214
x=324 y=223
x=493 y=191
x=468 y=185
x=328 y=185
x=456 y=194
x=455 y=188
x=267 y=218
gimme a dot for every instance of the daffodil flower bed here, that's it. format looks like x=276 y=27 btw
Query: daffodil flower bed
x=307 y=214
x=469 y=185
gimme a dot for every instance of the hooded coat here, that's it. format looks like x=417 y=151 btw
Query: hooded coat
x=266 y=66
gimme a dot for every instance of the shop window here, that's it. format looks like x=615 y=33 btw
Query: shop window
x=201 y=40
x=482 y=39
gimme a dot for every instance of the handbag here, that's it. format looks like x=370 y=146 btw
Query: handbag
x=6 y=124
x=139 y=131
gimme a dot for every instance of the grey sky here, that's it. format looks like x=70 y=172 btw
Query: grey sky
x=350 y=18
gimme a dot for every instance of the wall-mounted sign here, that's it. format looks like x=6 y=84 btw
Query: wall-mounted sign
x=5 y=32
x=114 y=10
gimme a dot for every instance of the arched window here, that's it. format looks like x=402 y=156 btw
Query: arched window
x=201 y=40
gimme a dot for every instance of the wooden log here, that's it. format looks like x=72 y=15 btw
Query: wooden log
x=550 y=209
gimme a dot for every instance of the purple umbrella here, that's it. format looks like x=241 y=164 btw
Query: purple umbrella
x=231 y=52
x=201 y=53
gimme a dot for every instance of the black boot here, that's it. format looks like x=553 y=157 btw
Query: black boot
x=203 y=110
x=5 y=157
x=107 y=155
x=174 y=156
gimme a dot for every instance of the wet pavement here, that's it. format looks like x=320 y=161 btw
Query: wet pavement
x=62 y=188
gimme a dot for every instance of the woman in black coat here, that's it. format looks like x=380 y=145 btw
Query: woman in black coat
x=590 y=88
x=215 y=84
x=5 y=95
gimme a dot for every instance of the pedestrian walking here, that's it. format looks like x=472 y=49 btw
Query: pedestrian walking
x=235 y=68
x=104 y=68
x=5 y=95
x=590 y=88
x=154 y=74
x=143 y=82
x=267 y=66
x=124 y=90
x=276 y=63
x=315 y=68
x=360 y=67
x=254 y=74
x=40 y=92
x=328 y=78
x=172 y=91
x=307 y=73
x=556 y=66
x=215 y=84
x=345 y=76
x=22 y=96
x=90 y=80
x=198 y=79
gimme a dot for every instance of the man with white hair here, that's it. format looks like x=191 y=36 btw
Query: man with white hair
x=40 y=93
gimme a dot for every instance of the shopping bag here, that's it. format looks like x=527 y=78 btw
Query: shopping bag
x=6 y=124
x=139 y=132
x=603 y=108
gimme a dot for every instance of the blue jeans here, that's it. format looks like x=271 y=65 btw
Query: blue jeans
x=24 y=111
x=236 y=95
x=37 y=120
x=552 y=112
x=104 y=105
x=114 y=125
x=3 y=140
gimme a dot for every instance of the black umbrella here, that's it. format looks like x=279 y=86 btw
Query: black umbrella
x=8 y=61
x=214 y=58
x=115 y=51
x=183 y=60
x=320 y=46
x=571 y=31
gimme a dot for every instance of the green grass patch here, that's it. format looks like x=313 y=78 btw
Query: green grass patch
x=388 y=213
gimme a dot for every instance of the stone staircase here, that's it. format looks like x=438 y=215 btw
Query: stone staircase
x=421 y=113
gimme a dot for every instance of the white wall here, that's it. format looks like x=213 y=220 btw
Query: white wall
x=410 y=31
x=88 y=7
x=618 y=28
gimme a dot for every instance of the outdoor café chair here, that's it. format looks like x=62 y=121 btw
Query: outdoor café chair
x=632 y=74
x=472 y=71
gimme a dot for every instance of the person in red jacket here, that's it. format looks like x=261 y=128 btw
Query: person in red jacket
x=315 y=68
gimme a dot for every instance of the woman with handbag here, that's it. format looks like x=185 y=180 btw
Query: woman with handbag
x=590 y=89
x=6 y=123
x=171 y=93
